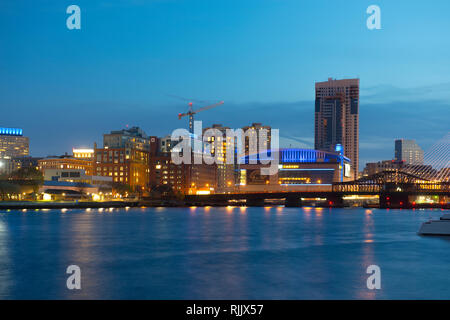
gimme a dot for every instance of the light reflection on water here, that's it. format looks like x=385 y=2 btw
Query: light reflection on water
x=5 y=275
x=221 y=253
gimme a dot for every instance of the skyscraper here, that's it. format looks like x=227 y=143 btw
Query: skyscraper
x=253 y=133
x=227 y=174
x=408 y=151
x=13 y=143
x=337 y=118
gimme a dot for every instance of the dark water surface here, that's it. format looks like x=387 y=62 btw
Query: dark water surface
x=221 y=253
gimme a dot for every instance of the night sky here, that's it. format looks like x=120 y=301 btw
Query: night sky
x=132 y=61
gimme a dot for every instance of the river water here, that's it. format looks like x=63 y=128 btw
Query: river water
x=221 y=253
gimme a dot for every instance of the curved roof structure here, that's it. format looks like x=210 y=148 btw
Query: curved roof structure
x=296 y=155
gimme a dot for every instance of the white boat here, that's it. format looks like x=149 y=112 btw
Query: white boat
x=439 y=227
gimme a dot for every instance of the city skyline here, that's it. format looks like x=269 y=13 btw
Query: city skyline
x=224 y=156
x=117 y=71
x=370 y=146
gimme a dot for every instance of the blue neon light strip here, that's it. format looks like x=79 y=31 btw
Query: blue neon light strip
x=11 y=131
x=298 y=155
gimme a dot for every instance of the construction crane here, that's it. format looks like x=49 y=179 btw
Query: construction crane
x=191 y=113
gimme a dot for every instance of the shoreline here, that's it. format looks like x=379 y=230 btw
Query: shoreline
x=66 y=205
x=178 y=204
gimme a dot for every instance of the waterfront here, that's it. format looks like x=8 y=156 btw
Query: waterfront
x=221 y=253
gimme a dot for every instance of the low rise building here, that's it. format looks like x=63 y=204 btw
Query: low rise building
x=75 y=175
x=65 y=162
x=65 y=190
x=372 y=168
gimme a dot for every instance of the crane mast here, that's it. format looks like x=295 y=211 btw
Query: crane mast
x=191 y=113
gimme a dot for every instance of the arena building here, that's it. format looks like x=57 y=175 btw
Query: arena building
x=298 y=169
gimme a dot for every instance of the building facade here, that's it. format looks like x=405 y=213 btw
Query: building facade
x=165 y=144
x=131 y=138
x=13 y=143
x=298 y=169
x=219 y=146
x=163 y=172
x=182 y=178
x=254 y=133
x=65 y=162
x=337 y=118
x=125 y=158
x=409 y=152
x=75 y=175
x=26 y=162
x=6 y=167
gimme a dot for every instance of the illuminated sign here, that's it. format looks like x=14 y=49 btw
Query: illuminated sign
x=11 y=132
x=347 y=170
x=83 y=150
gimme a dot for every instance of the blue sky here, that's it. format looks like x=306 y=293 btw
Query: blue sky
x=66 y=88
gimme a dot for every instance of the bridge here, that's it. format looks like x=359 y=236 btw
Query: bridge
x=394 y=189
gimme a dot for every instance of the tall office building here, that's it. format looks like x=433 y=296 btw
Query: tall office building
x=253 y=134
x=227 y=174
x=337 y=118
x=408 y=151
x=13 y=143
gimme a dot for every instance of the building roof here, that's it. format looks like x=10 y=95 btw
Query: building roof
x=297 y=155
x=11 y=131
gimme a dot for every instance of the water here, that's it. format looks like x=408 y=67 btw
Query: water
x=221 y=253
